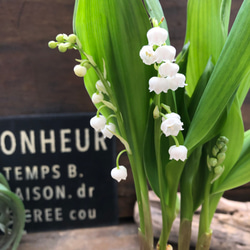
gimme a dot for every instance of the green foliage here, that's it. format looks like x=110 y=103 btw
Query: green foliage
x=12 y=216
x=218 y=76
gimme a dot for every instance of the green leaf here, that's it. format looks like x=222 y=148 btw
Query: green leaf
x=149 y=155
x=207 y=29
x=240 y=173
x=115 y=30
x=234 y=123
x=200 y=87
x=228 y=73
x=244 y=88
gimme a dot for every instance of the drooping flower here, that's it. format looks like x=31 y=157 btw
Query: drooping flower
x=157 y=36
x=168 y=69
x=80 y=70
x=158 y=84
x=178 y=153
x=97 y=97
x=147 y=55
x=108 y=129
x=165 y=53
x=176 y=81
x=172 y=125
x=100 y=87
x=119 y=173
x=98 y=122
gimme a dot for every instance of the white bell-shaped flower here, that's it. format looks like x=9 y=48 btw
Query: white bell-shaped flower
x=168 y=69
x=108 y=129
x=119 y=173
x=157 y=36
x=172 y=125
x=147 y=55
x=98 y=122
x=80 y=70
x=97 y=97
x=178 y=153
x=165 y=53
x=100 y=87
x=176 y=81
x=158 y=84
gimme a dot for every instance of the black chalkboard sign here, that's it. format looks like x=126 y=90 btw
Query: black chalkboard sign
x=60 y=167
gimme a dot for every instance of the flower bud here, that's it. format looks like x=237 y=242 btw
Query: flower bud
x=215 y=150
x=220 y=144
x=62 y=48
x=108 y=129
x=60 y=38
x=96 y=98
x=52 y=44
x=100 y=87
x=72 y=38
x=212 y=162
x=221 y=157
x=218 y=170
x=80 y=70
x=156 y=112
x=223 y=139
x=224 y=149
x=119 y=173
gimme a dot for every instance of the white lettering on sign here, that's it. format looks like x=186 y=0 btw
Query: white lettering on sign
x=47 y=141
x=82 y=214
x=57 y=192
x=27 y=141
x=44 y=215
x=8 y=135
x=32 y=172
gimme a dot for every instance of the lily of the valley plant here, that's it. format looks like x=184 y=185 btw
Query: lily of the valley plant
x=178 y=116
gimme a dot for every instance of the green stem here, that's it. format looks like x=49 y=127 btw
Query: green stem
x=141 y=188
x=205 y=232
x=166 y=217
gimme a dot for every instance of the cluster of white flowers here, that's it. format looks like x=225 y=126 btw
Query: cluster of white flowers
x=163 y=56
x=157 y=52
x=108 y=129
x=100 y=123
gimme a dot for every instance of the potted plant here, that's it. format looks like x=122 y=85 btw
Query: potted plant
x=178 y=117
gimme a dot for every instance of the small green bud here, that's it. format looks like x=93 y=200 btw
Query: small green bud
x=220 y=144
x=221 y=157
x=212 y=161
x=60 y=38
x=72 y=38
x=156 y=112
x=52 y=44
x=215 y=150
x=62 y=48
x=218 y=170
x=224 y=149
x=223 y=139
